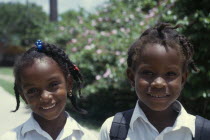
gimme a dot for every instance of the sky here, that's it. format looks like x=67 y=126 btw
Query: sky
x=64 y=5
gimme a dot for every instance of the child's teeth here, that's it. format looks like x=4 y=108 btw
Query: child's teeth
x=156 y=96
x=49 y=107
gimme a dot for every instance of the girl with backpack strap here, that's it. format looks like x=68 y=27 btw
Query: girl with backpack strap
x=158 y=65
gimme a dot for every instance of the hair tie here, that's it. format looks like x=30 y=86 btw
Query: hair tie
x=76 y=68
x=39 y=45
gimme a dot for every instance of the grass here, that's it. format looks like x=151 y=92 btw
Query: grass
x=6 y=70
x=8 y=86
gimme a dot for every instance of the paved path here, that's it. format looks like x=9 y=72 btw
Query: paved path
x=8 y=119
x=7 y=77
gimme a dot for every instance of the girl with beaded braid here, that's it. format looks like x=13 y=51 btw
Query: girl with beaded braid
x=158 y=65
x=44 y=78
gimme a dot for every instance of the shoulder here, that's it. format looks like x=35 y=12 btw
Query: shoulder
x=202 y=123
x=202 y=127
x=12 y=134
x=105 y=129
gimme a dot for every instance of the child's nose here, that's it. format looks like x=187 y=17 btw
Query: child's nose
x=45 y=96
x=159 y=82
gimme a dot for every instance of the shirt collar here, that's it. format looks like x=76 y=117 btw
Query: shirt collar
x=184 y=119
x=29 y=125
x=70 y=126
x=180 y=121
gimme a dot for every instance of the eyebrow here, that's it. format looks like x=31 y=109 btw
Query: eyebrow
x=173 y=66
x=27 y=85
x=145 y=65
x=54 y=77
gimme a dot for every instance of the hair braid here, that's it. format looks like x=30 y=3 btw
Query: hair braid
x=17 y=96
x=188 y=51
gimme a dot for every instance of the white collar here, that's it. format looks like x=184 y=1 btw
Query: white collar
x=180 y=121
x=71 y=125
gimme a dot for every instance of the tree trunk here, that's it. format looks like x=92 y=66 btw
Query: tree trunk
x=53 y=10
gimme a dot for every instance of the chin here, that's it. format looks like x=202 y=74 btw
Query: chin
x=156 y=108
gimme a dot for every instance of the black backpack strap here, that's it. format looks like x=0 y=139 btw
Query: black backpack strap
x=120 y=125
x=202 y=128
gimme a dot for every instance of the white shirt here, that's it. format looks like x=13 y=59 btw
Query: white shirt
x=142 y=129
x=31 y=130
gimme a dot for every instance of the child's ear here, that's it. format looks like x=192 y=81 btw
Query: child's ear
x=130 y=75
x=184 y=78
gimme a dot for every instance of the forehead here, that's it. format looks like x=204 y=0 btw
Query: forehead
x=40 y=69
x=157 y=54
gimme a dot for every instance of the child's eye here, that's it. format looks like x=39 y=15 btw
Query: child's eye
x=54 y=84
x=33 y=91
x=147 y=73
x=171 y=74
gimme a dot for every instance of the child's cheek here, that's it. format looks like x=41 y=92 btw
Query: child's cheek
x=175 y=86
x=141 y=86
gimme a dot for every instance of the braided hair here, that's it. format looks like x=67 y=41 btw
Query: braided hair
x=63 y=61
x=166 y=35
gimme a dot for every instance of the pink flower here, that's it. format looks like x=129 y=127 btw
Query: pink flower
x=126 y=19
x=117 y=52
x=99 y=51
x=87 y=47
x=141 y=23
x=138 y=9
x=132 y=16
x=98 y=77
x=107 y=73
x=90 y=40
x=118 y=20
x=104 y=33
x=122 y=60
x=74 y=40
x=122 y=29
x=100 y=19
x=114 y=32
x=74 y=49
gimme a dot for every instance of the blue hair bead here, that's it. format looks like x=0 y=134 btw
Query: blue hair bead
x=39 y=45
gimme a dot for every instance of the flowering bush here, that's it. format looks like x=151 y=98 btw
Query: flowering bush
x=98 y=43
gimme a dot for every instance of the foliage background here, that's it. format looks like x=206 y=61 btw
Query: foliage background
x=98 y=43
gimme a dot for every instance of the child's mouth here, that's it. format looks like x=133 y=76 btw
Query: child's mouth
x=48 y=107
x=158 y=96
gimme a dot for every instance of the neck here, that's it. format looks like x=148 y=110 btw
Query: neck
x=160 y=119
x=47 y=125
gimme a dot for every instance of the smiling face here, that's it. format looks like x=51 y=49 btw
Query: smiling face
x=44 y=88
x=158 y=77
